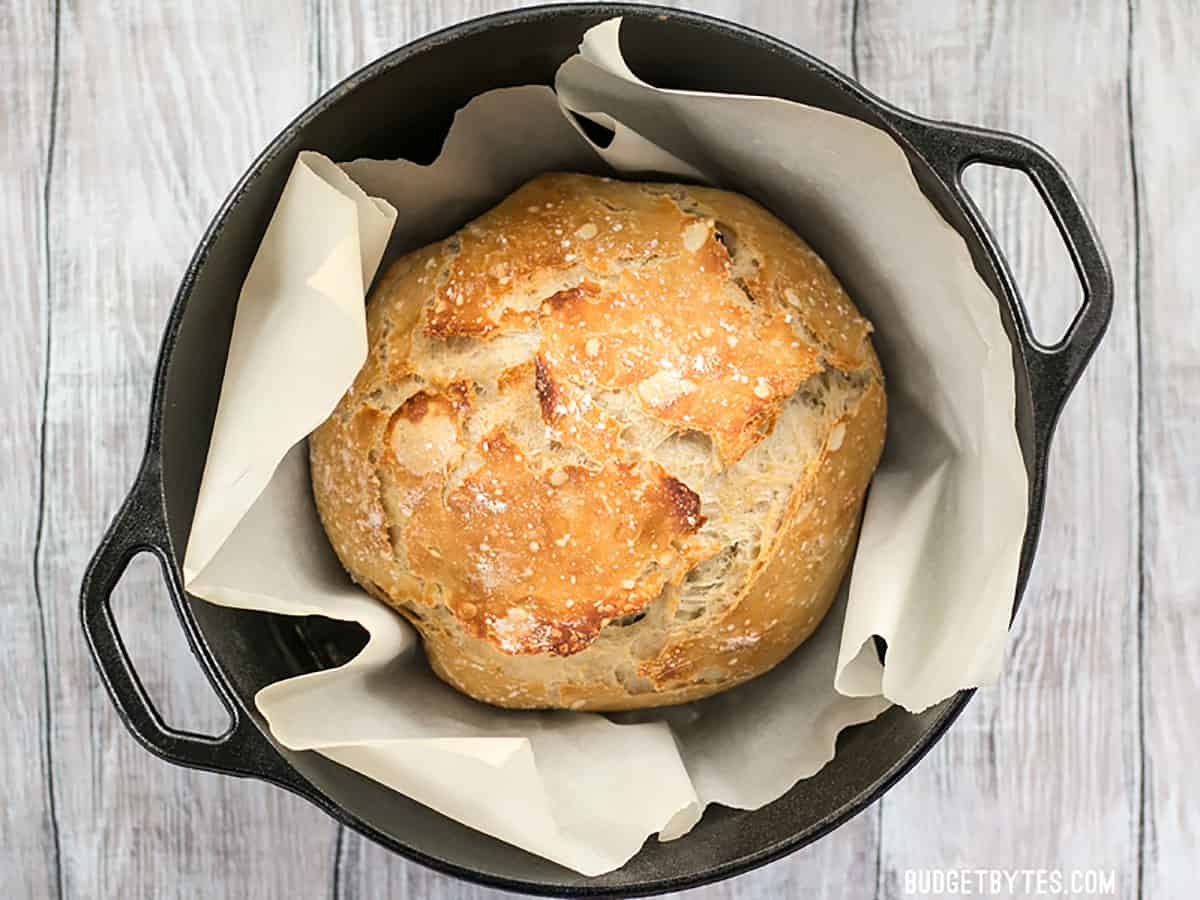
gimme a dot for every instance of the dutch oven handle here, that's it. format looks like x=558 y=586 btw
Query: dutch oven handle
x=140 y=526
x=1053 y=369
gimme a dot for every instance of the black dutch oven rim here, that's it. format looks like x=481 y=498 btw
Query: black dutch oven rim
x=947 y=149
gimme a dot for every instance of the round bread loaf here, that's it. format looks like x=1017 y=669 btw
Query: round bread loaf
x=609 y=447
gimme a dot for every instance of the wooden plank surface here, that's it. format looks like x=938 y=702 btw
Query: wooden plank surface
x=28 y=840
x=109 y=182
x=1167 y=156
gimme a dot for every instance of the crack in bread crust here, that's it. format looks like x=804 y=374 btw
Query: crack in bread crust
x=609 y=446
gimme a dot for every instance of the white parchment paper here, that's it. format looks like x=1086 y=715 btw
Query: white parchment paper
x=936 y=565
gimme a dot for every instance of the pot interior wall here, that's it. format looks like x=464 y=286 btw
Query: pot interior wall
x=402 y=106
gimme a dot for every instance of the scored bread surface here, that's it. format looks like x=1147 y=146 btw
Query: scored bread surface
x=609 y=447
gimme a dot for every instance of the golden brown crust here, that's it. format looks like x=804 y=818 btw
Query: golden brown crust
x=698 y=355
x=539 y=562
x=787 y=597
x=522 y=465
x=781 y=606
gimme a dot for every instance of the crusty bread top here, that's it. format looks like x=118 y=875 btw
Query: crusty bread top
x=485 y=472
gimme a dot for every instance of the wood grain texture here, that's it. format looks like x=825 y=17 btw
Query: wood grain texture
x=160 y=107
x=28 y=840
x=1042 y=770
x=111 y=176
x=1167 y=156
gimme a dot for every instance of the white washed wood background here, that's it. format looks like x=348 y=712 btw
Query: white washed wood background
x=123 y=124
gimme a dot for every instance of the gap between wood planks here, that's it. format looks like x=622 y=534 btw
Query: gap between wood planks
x=1139 y=468
x=40 y=527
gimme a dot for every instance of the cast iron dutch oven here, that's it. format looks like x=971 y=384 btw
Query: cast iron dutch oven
x=401 y=106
